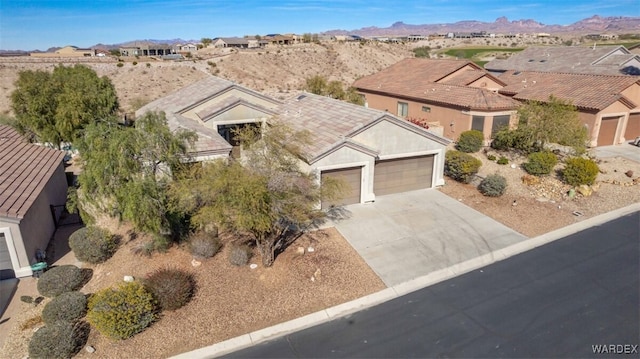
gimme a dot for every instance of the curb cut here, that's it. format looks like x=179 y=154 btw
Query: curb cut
x=345 y=309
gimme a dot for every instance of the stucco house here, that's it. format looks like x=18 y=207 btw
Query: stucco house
x=597 y=60
x=457 y=95
x=375 y=152
x=67 y=51
x=32 y=179
x=607 y=105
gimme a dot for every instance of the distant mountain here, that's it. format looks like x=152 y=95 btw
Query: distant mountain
x=597 y=24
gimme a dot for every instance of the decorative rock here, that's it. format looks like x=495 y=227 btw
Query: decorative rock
x=595 y=187
x=530 y=180
x=585 y=190
x=128 y=278
x=317 y=273
x=90 y=349
x=300 y=250
x=513 y=165
x=253 y=266
x=195 y=262
x=629 y=173
x=311 y=249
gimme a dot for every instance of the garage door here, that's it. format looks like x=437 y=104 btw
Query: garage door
x=351 y=177
x=607 y=133
x=6 y=269
x=402 y=175
x=633 y=127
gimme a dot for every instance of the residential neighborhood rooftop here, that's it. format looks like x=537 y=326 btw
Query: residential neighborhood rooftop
x=25 y=169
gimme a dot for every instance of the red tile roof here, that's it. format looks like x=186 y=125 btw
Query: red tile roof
x=25 y=169
x=425 y=80
x=583 y=90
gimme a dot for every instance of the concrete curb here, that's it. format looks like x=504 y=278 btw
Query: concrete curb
x=345 y=309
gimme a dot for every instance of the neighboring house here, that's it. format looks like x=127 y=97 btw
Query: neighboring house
x=607 y=105
x=237 y=42
x=67 y=51
x=597 y=60
x=213 y=108
x=187 y=48
x=146 y=50
x=32 y=179
x=456 y=94
x=375 y=152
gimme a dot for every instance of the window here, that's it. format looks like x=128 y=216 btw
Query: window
x=403 y=109
x=426 y=109
x=499 y=122
x=477 y=123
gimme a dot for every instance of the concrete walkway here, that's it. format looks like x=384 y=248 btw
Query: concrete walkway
x=409 y=235
x=623 y=150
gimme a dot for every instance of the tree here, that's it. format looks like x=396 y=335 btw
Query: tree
x=317 y=85
x=552 y=121
x=206 y=41
x=54 y=107
x=268 y=196
x=334 y=89
x=126 y=169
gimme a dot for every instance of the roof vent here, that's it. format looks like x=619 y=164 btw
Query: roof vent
x=531 y=60
x=516 y=73
x=543 y=60
x=300 y=97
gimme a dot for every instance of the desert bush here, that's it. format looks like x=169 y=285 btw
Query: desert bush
x=134 y=63
x=579 y=171
x=58 y=280
x=493 y=185
x=540 y=163
x=67 y=307
x=204 y=245
x=92 y=244
x=470 y=141
x=57 y=340
x=172 y=287
x=502 y=160
x=461 y=166
x=120 y=64
x=121 y=312
x=491 y=157
x=239 y=255
x=519 y=139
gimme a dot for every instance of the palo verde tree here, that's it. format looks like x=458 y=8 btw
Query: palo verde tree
x=126 y=169
x=54 y=107
x=335 y=89
x=552 y=121
x=268 y=195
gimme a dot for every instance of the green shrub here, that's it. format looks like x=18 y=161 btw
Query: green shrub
x=502 y=160
x=204 y=245
x=461 y=166
x=134 y=63
x=58 y=280
x=120 y=64
x=579 y=171
x=518 y=139
x=57 y=340
x=67 y=307
x=540 y=163
x=121 y=312
x=493 y=185
x=470 y=141
x=491 y=157
x=92 y=244
x=239 y=255
x=172 y=287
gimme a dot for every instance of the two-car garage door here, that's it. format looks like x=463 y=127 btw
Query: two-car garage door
x=390 y=176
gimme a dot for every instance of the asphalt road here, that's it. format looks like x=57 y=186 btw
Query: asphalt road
x=559 y=300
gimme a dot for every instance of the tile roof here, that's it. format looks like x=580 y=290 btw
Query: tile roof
x=25 y=169
x=603 y=60
x=583 y=90
x=331 y=122
x=8 y=132
x=424 y=80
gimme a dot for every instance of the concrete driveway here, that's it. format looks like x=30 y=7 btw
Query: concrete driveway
x=408 y=235
x=622 y=150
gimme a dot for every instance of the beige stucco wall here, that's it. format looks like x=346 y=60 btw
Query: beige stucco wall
x=347 y=157
x=238 y=114
x=192 y=113
x=486 y=83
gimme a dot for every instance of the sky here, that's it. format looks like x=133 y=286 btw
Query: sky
x=41 y=24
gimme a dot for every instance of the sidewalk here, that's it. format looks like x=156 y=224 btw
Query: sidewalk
x=395 y=291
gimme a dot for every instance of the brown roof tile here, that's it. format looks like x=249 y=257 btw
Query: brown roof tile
x=25 y=169
x=583 y=90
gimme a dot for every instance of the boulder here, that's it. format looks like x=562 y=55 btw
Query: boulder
x=530 y=180
x=629 y=173
x=585 y=190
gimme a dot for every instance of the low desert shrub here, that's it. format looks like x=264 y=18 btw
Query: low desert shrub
x=518 y=139
x=121 y=312
x=540 y=163
x=119 y=64
x=470 y=141
x=239 y=255
x=579 y=171
x=502 y=160
x=56 y=340
x=493 y=185
x=67 y=307
x=93 y=244
x=58 y=280
x=491 y=157
x=134 y=63
x=172 y=287
x=204 y=245
x=461 y=166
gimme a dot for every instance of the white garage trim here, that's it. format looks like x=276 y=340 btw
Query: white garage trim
x=19 y=272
